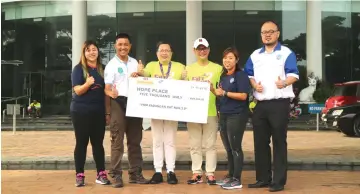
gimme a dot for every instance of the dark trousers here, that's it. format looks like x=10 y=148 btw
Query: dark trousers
x=232 y=127
x=270 y=119
x=87 y=126
x=132 y=127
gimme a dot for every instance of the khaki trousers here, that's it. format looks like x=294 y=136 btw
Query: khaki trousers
x=203 y=136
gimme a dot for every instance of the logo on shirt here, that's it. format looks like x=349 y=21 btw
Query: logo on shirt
x=205 y=77
x=232 y=80
x=95 y=86
x=120 y=70
x=278 y=57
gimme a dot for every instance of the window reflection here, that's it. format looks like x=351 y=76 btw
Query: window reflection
x=40 y=36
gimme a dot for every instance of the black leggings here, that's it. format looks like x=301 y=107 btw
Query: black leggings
x=87 y=126
x=232 y=127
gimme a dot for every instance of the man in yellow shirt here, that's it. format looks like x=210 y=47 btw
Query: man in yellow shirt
x=163 y=131
x=35 y=108
x=203 y=134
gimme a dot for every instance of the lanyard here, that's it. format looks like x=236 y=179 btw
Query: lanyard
x=162 y=70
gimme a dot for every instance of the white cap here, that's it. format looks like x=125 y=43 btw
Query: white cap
x=201 y=41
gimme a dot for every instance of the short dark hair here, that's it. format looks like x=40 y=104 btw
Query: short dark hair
x=271 y=21
x=163 y=42
x=234 y=51
x=123 y=35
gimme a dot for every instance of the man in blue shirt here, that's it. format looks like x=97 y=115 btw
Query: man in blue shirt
x=272 y=70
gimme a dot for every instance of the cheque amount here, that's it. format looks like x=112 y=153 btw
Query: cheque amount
x=199 y=87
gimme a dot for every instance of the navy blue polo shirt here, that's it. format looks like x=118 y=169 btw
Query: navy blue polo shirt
x=94 y=98
x=238 y=83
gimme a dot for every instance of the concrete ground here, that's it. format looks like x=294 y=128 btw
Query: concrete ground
x=304 y=146
x=54 y=182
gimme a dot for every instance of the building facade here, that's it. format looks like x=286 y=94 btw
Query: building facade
x=46 y=37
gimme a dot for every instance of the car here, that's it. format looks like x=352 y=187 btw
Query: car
x=343 y=94
x=345 y=118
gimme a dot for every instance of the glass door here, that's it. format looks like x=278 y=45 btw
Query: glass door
x=33 y=86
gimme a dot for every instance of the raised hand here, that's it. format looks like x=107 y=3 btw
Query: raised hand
x=279 y=83
x=184 y=74
x=90 y=80
x=114 y=93
x=140 y=67
x=134 y=74
x=259 y=88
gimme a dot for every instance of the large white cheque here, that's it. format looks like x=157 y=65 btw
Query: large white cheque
x=168 y=99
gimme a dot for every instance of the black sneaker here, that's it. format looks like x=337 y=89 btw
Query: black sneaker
x=80 y=180
x=157 y=178
x=195 y=179
x=211 y=180
x=102 y=178
x=171 y=178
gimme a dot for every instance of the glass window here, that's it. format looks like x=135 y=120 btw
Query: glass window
x=345 y=90
x=336 y=33
x=102 y=27
x=151 y=22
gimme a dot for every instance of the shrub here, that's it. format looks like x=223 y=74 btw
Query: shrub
x=323 y=91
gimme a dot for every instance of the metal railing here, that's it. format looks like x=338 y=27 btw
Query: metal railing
x=9 y=99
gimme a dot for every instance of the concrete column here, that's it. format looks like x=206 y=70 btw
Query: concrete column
x=141 y=47
x=79 y=29
x=193 y=28
x=314 y=52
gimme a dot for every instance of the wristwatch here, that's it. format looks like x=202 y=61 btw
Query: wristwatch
x=284 y=84
x=225 y=93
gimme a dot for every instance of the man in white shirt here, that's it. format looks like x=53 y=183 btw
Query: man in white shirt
x=272 y=70
x=117 y=73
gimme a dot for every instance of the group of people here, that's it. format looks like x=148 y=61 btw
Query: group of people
x=100 y=98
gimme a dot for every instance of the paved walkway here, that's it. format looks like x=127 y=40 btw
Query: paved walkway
x=306 y=148
x=54 y=182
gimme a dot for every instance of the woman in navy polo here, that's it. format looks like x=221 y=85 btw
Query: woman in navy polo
x=232 y=102
x=88 y=112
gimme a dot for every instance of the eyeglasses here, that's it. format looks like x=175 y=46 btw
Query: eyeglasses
x=202 y=49
x=269 y=32
x=164 y=51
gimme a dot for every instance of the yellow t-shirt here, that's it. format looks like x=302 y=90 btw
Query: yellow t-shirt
x=210 y=72
x=152 y=69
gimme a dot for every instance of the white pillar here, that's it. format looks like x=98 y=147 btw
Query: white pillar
x=193 y=28
x=314 y=52
x=79 y=29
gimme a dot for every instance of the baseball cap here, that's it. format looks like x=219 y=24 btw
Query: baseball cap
x=201 y=41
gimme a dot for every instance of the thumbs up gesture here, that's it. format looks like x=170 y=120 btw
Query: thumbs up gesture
x=280 y=83
x=114 y=92
x=90 y=80
x=259 y=88
x=184 y=74
x=140 y=67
